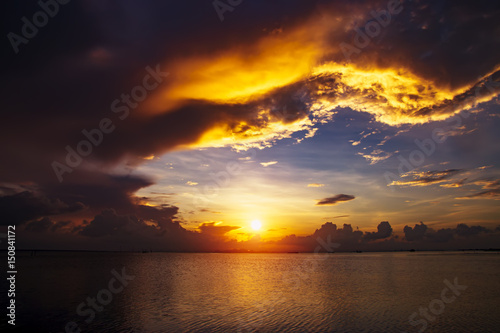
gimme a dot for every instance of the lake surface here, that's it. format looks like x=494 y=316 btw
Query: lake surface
x=355 y=292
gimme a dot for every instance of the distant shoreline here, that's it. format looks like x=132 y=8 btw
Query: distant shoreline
x=249 y=252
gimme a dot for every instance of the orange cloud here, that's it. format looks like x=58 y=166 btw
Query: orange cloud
x=315 y=185
x=257 y=78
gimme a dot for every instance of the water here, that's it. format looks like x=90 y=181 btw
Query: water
x=356 y=292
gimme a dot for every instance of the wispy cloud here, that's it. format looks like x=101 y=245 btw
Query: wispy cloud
x=266 y=164
x=490 y=194
x=376 y=156
x=315 y=185
x=487 y=184
x=363 y=136
x=460 y=183
x=427 y=178
x=335 y=217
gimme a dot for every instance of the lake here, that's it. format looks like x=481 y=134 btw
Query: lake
x=228 y=292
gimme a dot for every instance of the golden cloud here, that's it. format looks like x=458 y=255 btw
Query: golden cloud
x=256 y=77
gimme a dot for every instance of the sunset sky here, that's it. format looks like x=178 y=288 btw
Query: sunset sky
x=198 y=119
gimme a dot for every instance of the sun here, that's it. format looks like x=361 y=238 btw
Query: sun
x=256 y=225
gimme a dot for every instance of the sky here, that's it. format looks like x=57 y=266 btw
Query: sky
x=171 y=126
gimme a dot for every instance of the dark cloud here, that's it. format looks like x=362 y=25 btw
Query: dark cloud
x=155 y=229
x=99 y=190
x=159 y=214
x=426 y=45
x=206 y=210
x=41 y=225
x=108 y=223
x=345 y=238
x=111 y=231
x=466 y=231
x=26 y=206
x=416 y=233
x=46 y=225
x=441 y=235
x=384 y=230
x=421 y=233
x=330 y=238
x=335 y=199
x=337 y=217
x=57 y=76
x=213 y=230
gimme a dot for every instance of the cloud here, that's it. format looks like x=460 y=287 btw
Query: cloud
x=111 y=231
x=346 y=237
x=45 y=225
x=159 y=213
x=108 y=223
x=190 y=183
x=489 y=194
x=466 y=231
x=460 y=183
x=213 y=229
x=416 y=233
x=98 y=191
x=315 y=185
x=420 y=233
x=338 y=216
x=355 y=143
x=384 y=230
x=427 y=178
x=376 y=156
x=462 y=130
x=153 y=228
x=441 y=235
x=26 y=206
x=335 y=199
x=266 y=164
x=487 y=183
x=206 y=210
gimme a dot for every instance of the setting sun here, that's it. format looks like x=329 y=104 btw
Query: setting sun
x=256 y=225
